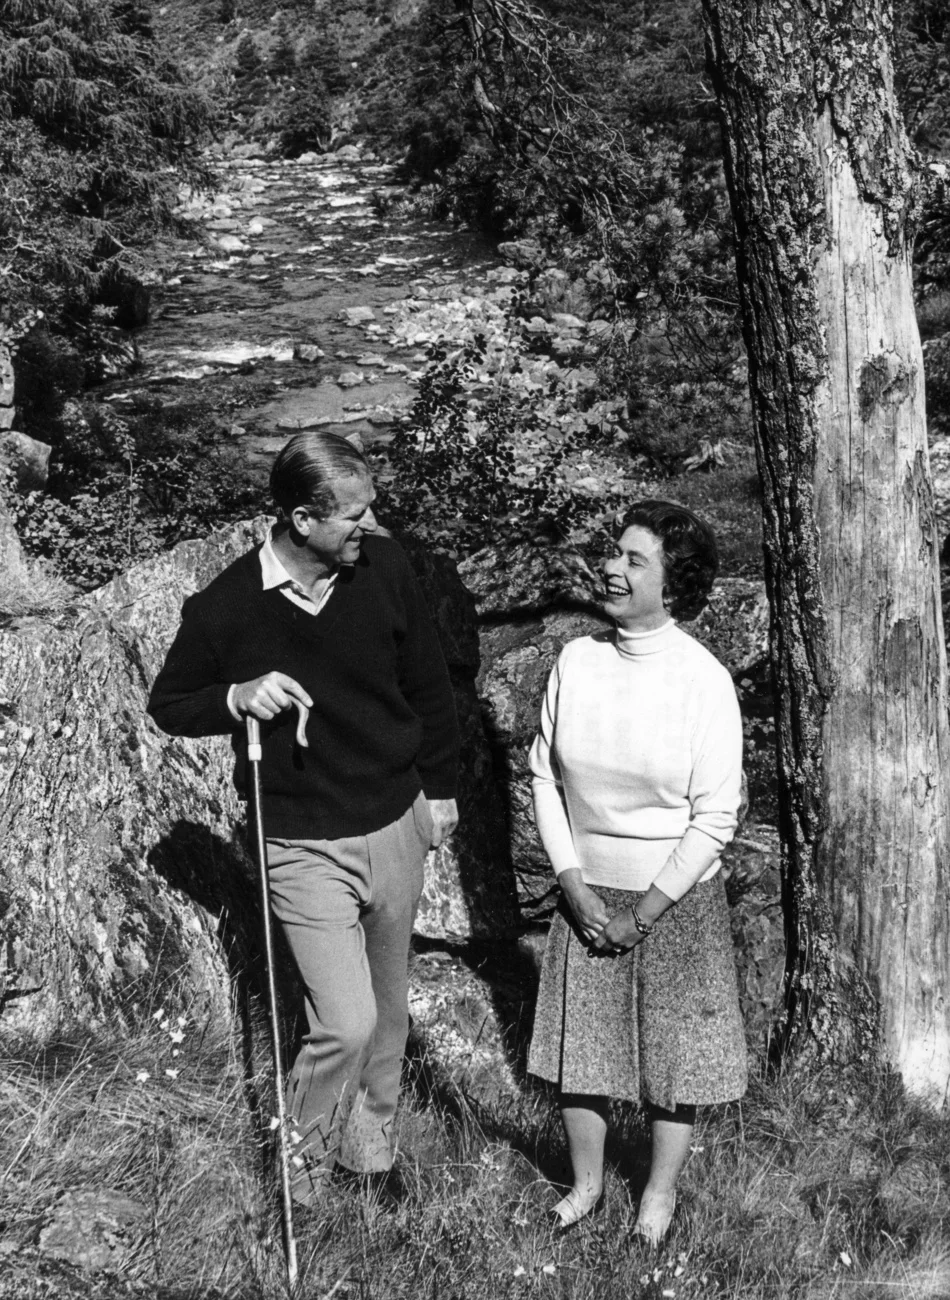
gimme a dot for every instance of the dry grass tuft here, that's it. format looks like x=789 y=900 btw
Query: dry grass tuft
x=33 y=588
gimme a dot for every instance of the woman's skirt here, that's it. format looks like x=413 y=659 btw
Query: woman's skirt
x=660 y=1024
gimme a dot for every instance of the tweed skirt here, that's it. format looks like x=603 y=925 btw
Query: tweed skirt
x=660 y=1024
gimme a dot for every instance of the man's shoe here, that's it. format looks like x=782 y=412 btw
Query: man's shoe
x=308 y=1186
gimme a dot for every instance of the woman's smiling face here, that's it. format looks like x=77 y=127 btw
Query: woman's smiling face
x=634 y=578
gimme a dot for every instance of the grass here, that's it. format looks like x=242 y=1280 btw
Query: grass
x=33 y=587
x=819 y=1184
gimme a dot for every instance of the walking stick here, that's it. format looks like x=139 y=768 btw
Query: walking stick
x=254 y=799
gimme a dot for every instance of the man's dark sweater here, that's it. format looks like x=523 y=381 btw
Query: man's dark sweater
x=383 y=721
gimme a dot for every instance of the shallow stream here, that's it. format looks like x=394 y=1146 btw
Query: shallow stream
x=307 y=307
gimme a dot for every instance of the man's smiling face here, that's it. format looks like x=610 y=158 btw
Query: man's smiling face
x=336 y=539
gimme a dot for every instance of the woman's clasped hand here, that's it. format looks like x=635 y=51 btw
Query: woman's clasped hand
x=606 y=935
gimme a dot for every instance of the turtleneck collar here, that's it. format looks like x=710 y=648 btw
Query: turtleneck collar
x=638 y=645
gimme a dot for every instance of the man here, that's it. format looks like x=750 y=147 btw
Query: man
x=327 y=617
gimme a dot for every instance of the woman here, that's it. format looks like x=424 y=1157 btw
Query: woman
x=637 y=770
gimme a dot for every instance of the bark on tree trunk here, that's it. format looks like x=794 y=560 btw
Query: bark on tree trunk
x=824 y=195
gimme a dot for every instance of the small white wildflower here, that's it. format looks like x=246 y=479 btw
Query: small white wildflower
x=845 y=1259
x=159 y=1014
x=183 y=1020
x=670 y=1295
x=177 y=1036
x=697 y=1150
x=274 y=1123
x=171 y=1074
x=297 y=1161
x=519 y=1271
x=295 y=1136
x=550 y=1269
x=143 y=1076
x=679 y=1270
x=175 y=1052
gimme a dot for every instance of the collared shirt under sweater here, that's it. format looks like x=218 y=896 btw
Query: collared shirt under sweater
x=383 y=723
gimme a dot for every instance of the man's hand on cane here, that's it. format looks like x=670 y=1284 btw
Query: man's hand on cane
x=266 y=696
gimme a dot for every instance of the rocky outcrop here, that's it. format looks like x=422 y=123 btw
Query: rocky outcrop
x=124 y=879
x=27 y=457
x=531 y=601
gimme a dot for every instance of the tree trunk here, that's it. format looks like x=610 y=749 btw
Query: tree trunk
x=824 y=195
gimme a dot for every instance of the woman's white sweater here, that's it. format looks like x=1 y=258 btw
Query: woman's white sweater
x=638 y=763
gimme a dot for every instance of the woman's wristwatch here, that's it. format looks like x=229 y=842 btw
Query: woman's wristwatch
x=638 y=921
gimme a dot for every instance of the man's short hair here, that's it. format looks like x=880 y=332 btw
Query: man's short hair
x=690 y=554
x=306 y=469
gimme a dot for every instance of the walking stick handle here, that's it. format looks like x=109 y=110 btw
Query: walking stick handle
x=303 y=713
x=254 y=732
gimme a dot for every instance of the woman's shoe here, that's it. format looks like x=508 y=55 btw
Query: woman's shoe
x=654 y=1219
x=563 y=1223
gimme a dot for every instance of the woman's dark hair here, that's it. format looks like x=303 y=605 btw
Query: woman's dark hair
x=306 y=469
x=690 y=554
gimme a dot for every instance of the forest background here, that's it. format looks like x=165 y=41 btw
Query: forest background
x=590 y=148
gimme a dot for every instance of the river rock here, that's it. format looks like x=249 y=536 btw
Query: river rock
x=308 y=352
x=350 y=379
x=357 y=315
x=524 y=254
x=230 y=243
x=27 y=458
x=124 y=875
x=94 y=1228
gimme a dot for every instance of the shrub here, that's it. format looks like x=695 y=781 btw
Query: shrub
x=117 y=494
x=305 y=121
x=482 y=456
x=96 y=129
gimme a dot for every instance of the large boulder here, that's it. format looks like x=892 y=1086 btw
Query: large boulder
x=469 y=891
x=124 y=880
x=531 y=599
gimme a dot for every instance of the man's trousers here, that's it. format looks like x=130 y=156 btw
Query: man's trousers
x=347 y=908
